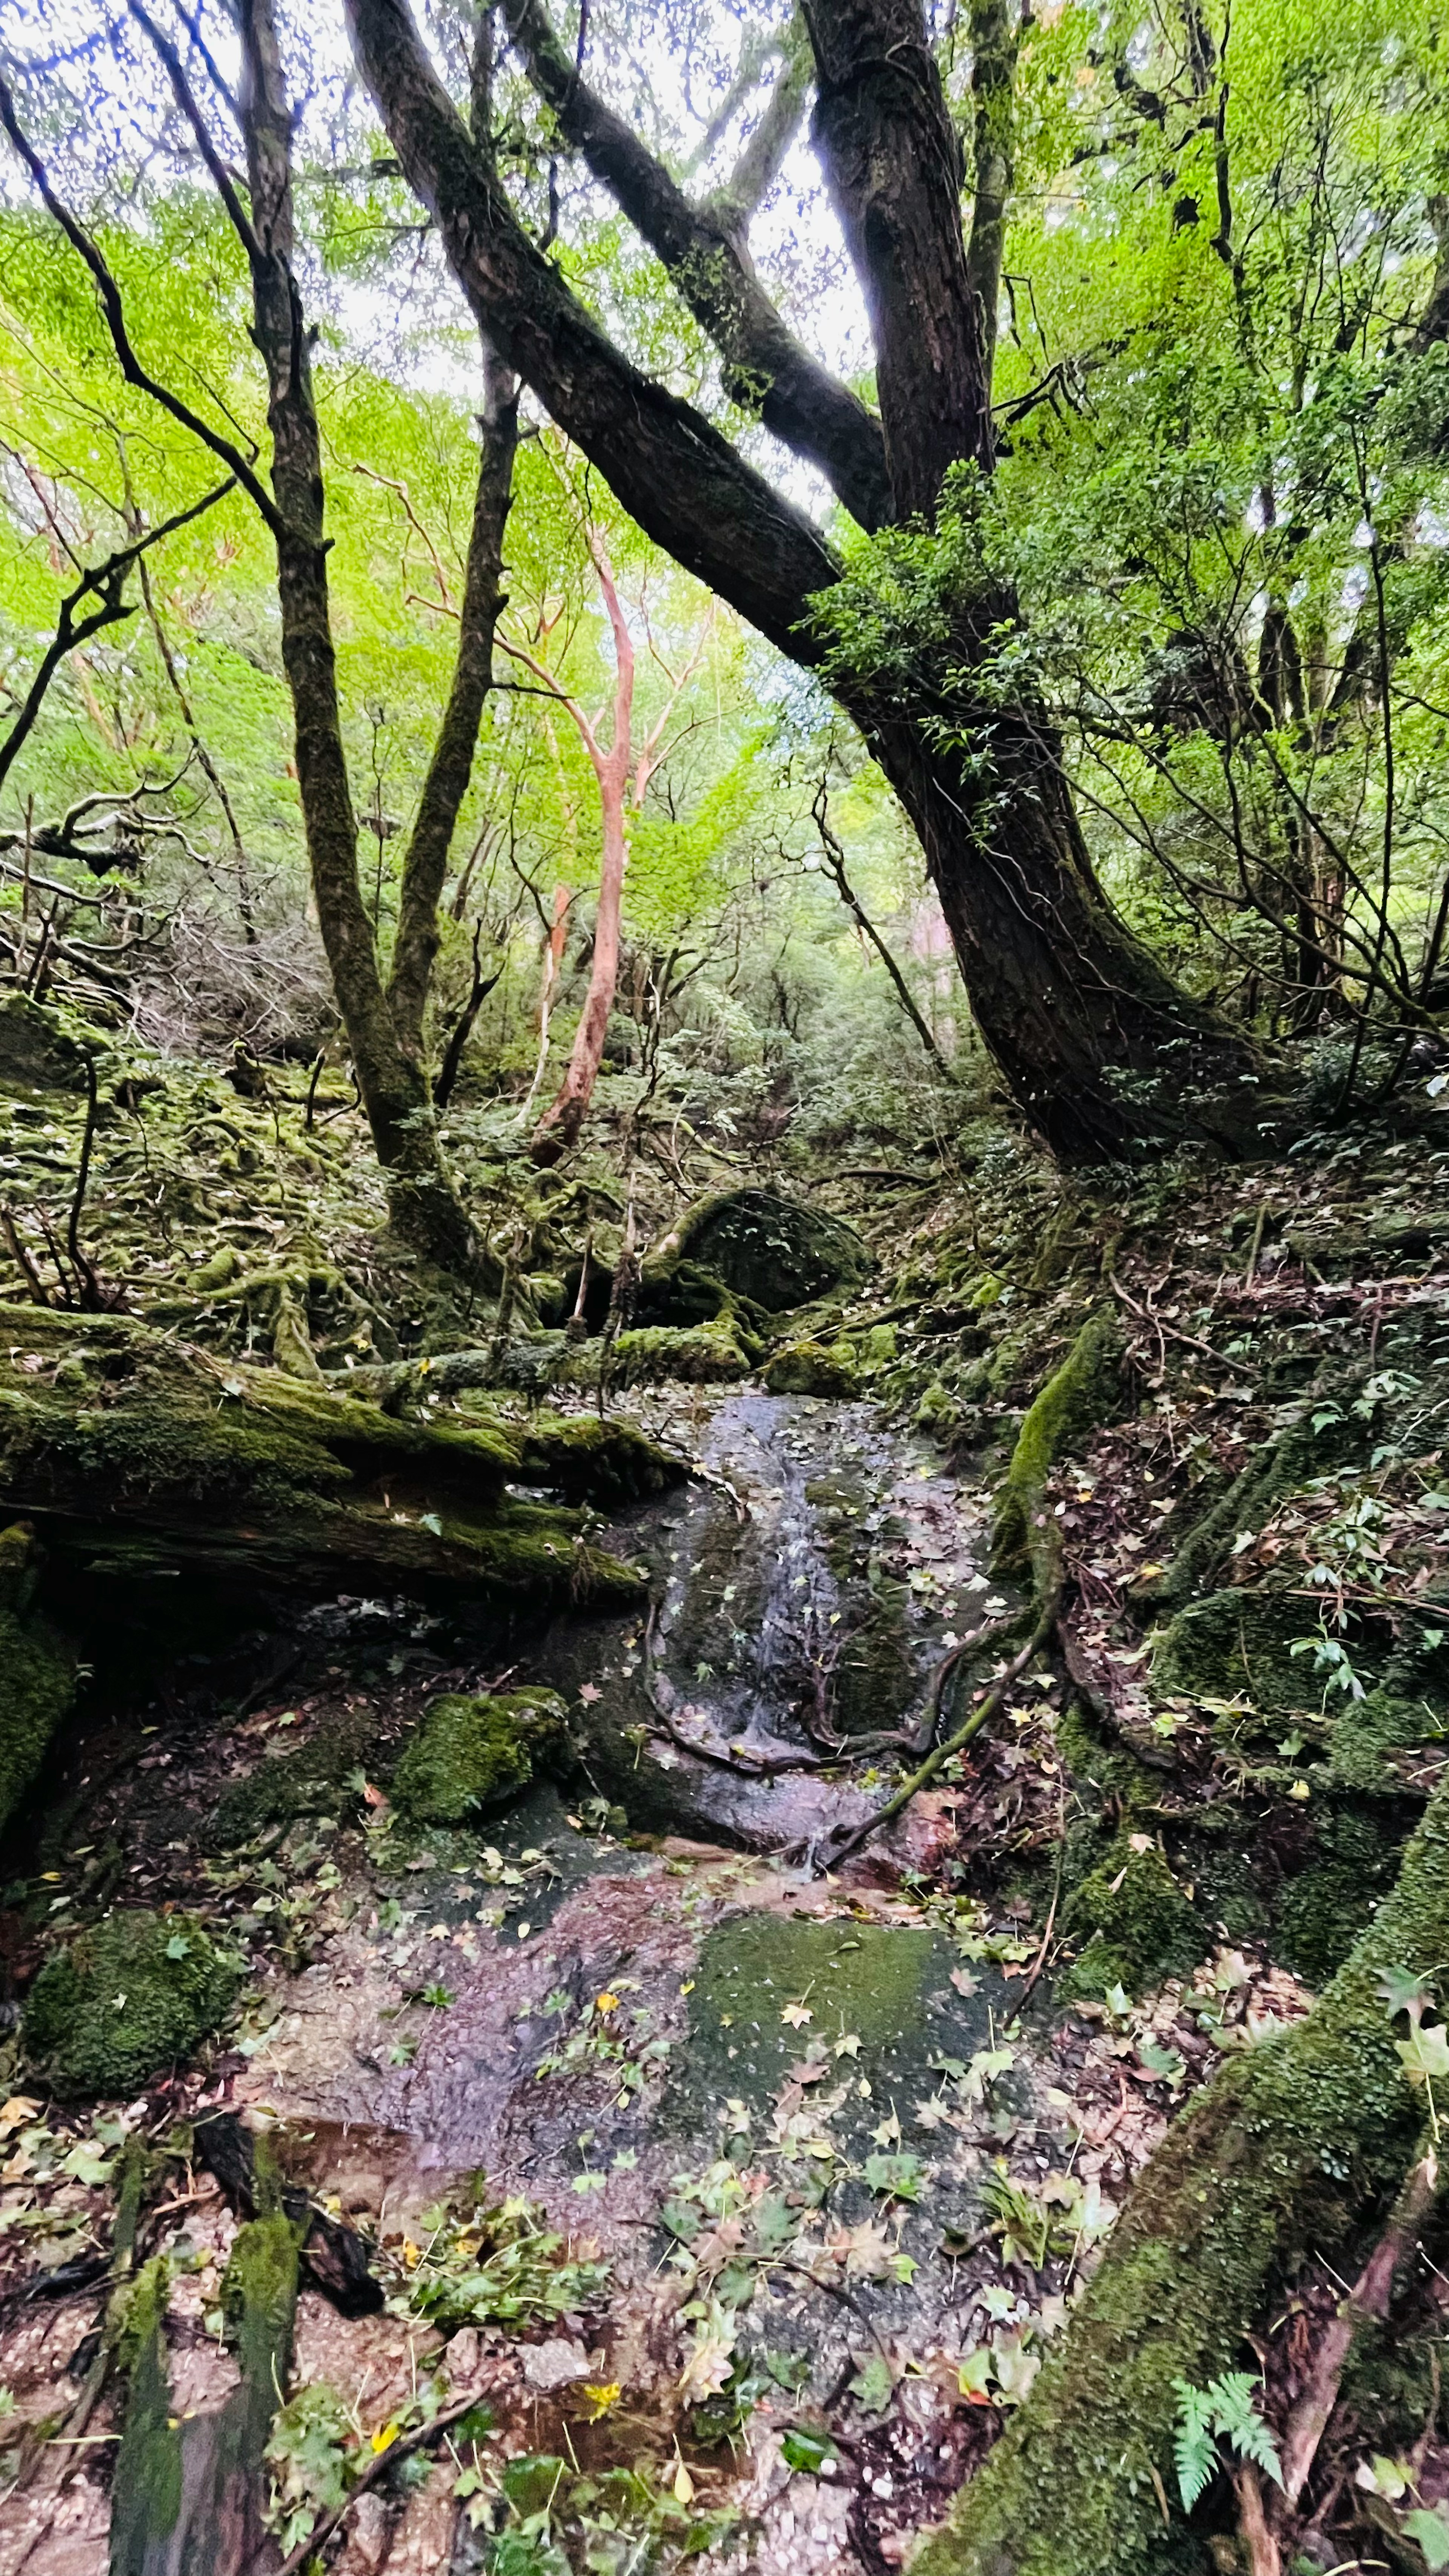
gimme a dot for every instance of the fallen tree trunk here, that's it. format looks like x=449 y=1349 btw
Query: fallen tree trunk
x=137 y=1458
x=1298 y=2142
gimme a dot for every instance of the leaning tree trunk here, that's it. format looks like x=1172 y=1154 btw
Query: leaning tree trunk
x=1103 y=1052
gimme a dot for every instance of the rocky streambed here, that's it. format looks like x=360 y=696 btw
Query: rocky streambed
x=675 y=2148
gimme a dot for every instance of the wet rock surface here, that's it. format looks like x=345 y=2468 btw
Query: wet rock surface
x=729 y=2093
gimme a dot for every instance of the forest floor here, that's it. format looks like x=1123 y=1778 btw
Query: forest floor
x=743 y=2191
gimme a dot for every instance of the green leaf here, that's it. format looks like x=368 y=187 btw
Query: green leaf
x=810 y=2451
x=1429 y=2528
x=894 y=2177
x=1193 y=2453
x=873 y=2387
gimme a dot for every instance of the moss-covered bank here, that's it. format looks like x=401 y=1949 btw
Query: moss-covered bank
x=1295 y=2142
x=1081 y=1394
x=37 y=1670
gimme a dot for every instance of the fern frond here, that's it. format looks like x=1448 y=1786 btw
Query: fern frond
x=1193 y=2455
x=1233 y=2401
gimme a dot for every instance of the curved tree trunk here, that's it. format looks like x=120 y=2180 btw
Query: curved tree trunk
x=1104 y=1053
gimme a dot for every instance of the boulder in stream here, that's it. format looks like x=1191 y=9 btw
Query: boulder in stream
x=760 y=1246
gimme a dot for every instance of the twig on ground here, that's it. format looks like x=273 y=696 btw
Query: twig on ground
x=832 y=1852
x=402 y=2449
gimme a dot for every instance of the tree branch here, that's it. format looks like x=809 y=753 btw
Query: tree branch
x=238 y=465
x=670 y=469
x=766 y=369
x=105 y=585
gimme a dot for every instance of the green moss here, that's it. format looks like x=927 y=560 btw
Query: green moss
x=1237 y=1644
x=310 y=1782
x=472 y=1754
x=1293 y=2143
x=188 y=2489
x=813 y=1368
x=1081 y=1395
x=124 y=2000
x=259 y=2301
x=37 y=1671
x=146 y=2496
x=1137 y=1925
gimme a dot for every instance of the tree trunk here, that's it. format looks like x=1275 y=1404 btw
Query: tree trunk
x=451 y=766
x=1105 y=1055
x=394 y=1087
x=559 y=1126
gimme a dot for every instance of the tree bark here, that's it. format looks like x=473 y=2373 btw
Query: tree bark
x=995 y=39
x=394 y=1087
x=766 y=369
x=1103 y=1052
x=426 y=864
x=893 y=166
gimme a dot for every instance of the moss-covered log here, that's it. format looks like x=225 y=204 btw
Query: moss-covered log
x=1082 y=1393
x=1296 y=2142
x=188 y=2493
x=136 y=1456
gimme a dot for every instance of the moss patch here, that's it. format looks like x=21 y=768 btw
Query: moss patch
x=813 y=1368
x=472 y=1754
x=1137 y=1925
x=37 y=1672
x=124 y=2000
x=1081 y=1395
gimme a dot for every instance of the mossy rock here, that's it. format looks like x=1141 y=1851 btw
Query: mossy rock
x=123 y=2001
x=44 y=1049
x=813 y=1368
x=37 y=1671
x=1137 y=1924
x=472 y=1754
x=312 y=1781
x=773 y=1250
x=1238 y=1644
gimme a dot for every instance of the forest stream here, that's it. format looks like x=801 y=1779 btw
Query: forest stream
x=595 y=2015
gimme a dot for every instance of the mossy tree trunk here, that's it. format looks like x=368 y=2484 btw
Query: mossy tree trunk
x=1297 y=2142
x=384 y=1026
